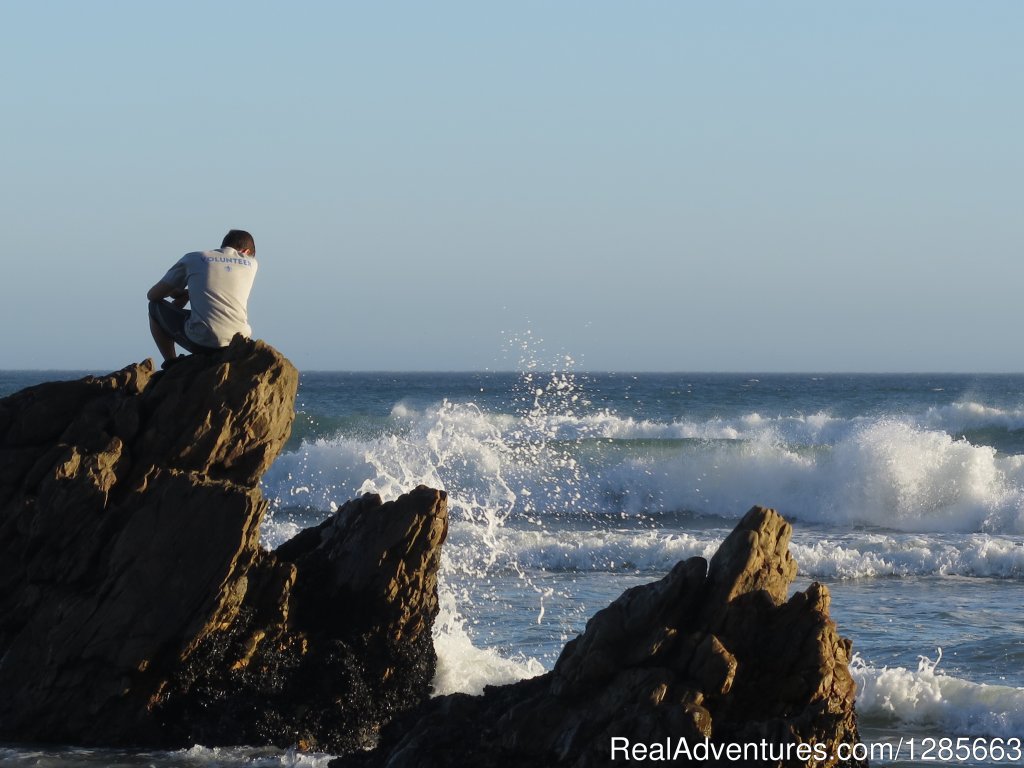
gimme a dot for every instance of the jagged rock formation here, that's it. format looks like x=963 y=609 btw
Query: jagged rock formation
x=136 y=605
x=708 y=652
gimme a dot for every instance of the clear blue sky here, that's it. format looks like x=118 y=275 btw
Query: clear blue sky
x=647 y=185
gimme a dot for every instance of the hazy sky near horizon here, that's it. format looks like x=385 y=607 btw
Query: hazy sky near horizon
x=785 y=186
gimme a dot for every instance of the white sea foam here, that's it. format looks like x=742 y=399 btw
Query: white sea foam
x=817 y=428
x=932 y=699
x=884 y=472
x=819 y=555
x=251 y=757
x=961 y=417
x=868 y=555
x=197 y=756
x=464 y=668
x=813 y=428
x=216 y=757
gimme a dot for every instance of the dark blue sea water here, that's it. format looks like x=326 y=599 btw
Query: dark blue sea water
x=906 y=493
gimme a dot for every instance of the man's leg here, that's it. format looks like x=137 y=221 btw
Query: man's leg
x=164 y=343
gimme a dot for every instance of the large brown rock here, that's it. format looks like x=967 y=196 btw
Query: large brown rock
x=710 y=652
x=332 y=641
x=136 y=605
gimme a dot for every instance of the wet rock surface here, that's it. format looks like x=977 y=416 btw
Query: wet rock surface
x=136 y=604
x=711 y=652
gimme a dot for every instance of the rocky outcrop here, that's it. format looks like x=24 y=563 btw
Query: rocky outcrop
x=333 y=641
x=136 y=604
x=710 y=652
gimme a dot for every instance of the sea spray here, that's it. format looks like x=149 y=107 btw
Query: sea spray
x=494 y=468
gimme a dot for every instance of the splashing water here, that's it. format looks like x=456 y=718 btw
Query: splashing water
x=506 y=474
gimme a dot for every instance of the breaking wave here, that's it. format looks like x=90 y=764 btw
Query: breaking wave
x=928 y=698
x=886 y=472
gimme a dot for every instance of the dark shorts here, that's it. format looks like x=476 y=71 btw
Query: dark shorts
x=172 y=320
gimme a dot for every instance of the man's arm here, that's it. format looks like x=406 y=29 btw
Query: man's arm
x=163 y=290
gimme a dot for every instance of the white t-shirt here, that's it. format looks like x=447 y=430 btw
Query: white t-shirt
x=218 y=285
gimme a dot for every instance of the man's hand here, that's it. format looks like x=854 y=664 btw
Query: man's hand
x=180 y=299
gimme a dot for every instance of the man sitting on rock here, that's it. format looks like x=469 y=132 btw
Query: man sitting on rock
x=217 y=284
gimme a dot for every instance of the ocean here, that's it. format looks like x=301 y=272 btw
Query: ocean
x=906 y=493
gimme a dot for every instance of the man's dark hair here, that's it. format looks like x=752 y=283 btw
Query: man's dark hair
x=239 y=239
